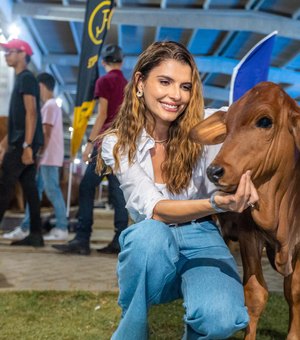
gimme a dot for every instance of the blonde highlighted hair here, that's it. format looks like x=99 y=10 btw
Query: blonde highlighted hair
x=182 y=154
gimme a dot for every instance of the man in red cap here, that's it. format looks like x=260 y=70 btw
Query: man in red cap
x=17 y=45
x=25 y=137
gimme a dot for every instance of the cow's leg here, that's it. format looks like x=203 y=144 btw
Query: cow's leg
x=292 y=295
x=255 y=288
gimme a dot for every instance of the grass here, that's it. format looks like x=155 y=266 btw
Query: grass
x=54 y=315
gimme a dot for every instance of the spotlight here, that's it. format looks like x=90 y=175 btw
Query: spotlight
x=59 y=101
x=14 y=31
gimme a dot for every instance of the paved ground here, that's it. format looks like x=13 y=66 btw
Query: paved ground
x=26 y=268
x=23 y=268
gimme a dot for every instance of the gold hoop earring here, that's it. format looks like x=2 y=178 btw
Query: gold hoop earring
x=139 y=94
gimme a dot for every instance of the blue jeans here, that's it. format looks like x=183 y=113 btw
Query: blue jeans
x=158 y=264
x=48 y=181
x=87 y=190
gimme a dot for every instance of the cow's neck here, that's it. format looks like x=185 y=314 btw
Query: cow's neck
x=271 y=193
x=278 y=202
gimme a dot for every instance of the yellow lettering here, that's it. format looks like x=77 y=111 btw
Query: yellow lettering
x=99 y=30
x=95 y=30
x=92 y=61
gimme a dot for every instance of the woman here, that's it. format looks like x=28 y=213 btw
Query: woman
x=174 y=249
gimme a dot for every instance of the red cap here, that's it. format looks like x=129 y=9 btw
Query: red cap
x=18 y=44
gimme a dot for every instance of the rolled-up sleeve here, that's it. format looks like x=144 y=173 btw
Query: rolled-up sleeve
x=140 y=193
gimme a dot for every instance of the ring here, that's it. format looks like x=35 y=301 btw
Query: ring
x=250 y=204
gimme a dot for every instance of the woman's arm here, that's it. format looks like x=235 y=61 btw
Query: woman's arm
x=144 y=200
x=140 y=192
x=178 y=211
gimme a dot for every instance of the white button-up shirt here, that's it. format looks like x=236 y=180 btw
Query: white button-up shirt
x=137 y=179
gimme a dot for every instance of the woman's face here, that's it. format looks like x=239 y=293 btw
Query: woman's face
x=167 y=90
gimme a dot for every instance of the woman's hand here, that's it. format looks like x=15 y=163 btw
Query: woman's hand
x=245 y=196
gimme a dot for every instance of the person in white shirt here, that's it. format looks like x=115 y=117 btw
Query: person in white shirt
x=174 y=249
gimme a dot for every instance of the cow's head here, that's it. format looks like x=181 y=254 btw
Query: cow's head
x=259 y=133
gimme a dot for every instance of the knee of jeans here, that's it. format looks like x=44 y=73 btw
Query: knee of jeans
x=51 y=193
x=85 y=185
x=29 y=188
x=215 y=323
x=147 y=239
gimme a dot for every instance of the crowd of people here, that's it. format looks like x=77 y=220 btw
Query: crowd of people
x=33 y=153
x=173 y=249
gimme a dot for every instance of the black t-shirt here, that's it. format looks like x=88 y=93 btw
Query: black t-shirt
x=25 y=83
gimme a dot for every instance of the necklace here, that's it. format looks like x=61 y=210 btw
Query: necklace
x=160 y=141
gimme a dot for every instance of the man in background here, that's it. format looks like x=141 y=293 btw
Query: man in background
x=109 y=91
x=25 y=137
x=50 y=160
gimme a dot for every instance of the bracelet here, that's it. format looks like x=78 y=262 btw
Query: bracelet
x=214 y=204
x=90 y=141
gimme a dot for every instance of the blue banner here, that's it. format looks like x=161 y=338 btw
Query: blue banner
x=253 y=68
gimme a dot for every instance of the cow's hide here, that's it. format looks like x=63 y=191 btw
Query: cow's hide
x=261 y=132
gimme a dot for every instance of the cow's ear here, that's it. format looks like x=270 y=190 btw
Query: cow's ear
x=295 y=124
x=211 y=130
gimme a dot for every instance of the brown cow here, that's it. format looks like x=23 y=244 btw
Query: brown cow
x=261 y=132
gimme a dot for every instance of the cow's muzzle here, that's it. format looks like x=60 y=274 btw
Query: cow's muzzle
x=215 y=173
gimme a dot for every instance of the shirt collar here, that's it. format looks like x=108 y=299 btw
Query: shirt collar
x=115 y=70
x=145 y=140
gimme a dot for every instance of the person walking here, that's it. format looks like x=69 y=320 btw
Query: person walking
x=50 y=159
x=109 y=91
x=25 y=137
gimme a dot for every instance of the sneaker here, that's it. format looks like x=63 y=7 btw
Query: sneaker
x=74 y=247
x=56 y=234
x=16 y=234
x=33 y=240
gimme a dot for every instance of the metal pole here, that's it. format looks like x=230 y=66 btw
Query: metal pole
x=69 y=188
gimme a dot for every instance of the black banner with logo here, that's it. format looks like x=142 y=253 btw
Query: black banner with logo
x=97 y=21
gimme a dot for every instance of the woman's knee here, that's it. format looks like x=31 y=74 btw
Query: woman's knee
x=147 y=260
x=148 y=245
x=217 y=323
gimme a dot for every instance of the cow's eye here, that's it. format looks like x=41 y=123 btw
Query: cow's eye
x=264 y=123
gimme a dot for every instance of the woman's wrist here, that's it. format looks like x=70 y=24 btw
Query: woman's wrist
x=214 y=205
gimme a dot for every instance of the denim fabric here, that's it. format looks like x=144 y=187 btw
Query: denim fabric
x=12 y=169
x=48 y=181
x=87 y=190
x=159 y=264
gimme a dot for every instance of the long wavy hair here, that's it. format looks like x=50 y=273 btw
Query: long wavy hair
x=182 y=154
